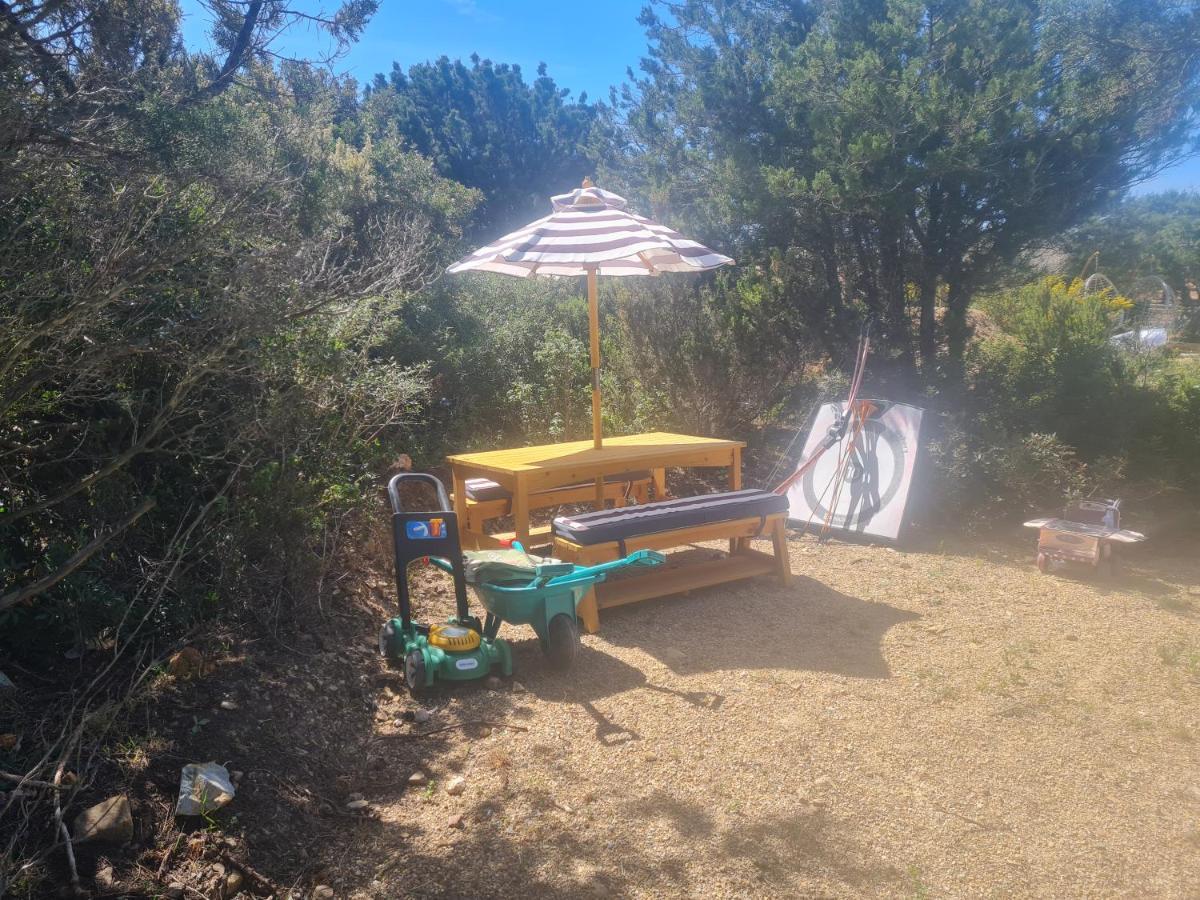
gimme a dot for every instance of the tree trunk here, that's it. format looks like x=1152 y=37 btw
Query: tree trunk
x=928 y=336
x=891 y=277
x=958 y=298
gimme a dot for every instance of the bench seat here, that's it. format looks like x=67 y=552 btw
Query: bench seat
x=483 y=489
x=738 y=516
x=487 y=499
x=667 y=515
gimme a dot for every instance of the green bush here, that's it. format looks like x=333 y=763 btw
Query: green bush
x=1051 y=409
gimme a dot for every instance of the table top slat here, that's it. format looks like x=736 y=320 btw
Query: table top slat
x=642 y=450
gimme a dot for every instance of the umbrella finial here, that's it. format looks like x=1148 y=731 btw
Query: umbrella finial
x=587 y=182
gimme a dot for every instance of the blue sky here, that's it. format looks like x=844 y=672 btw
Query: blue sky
x=586 y=46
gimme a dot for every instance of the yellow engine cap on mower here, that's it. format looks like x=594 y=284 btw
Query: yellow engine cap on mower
x=454 y=638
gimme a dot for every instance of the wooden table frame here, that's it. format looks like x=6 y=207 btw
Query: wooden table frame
x=524 y=470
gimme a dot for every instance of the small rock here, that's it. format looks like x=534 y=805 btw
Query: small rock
x=322 y=892
x=416 y=779
x=421 y=716
x=110 y=821
x=456 y=785
x=493 y=683
x=174 y=891
x=518 y=688
x=233 y=884
x=105 y=878
x=229 y=704
x=357 y=804
x=455 y=821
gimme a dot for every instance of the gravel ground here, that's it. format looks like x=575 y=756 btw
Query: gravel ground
x=933 y=724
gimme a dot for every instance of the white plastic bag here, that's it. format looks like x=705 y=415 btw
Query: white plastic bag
x=203 y=788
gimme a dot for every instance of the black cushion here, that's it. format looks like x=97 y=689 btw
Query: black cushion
x=669 y=515
x=481 y=489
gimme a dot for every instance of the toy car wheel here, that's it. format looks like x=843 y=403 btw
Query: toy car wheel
x=1043 y=563
x=414 y=673
x=562 y=639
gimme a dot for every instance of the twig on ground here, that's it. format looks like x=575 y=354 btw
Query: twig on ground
x=257 y=877
x=62 y=827
x=165 y=865
x=23 y=781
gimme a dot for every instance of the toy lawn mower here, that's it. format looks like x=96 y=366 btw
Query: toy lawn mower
x=458 y=650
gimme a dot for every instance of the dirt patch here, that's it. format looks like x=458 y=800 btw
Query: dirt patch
x=914 y=724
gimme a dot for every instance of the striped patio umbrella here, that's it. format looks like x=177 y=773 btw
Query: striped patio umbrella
x=590 y=232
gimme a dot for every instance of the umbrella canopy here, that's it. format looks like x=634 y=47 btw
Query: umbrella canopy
x=590 y=232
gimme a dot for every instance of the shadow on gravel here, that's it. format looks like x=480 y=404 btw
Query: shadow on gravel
x=805 y=626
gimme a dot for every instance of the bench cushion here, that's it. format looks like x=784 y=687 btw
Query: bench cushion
x=607 y=525
x=482 y=489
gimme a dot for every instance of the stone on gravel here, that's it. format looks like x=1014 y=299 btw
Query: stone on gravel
x=174 y=891
x=110 y=821
x=416 y=779
x=233 y=883
x=455 y=821
x=456 y=785
x=322 y=892
x=421 y=716
x=518 y=688
x=358 y=804
x=229 y=704
x=105 y=878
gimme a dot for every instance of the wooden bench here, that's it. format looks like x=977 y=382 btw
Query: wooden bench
x=736 y=516
x=486 y=500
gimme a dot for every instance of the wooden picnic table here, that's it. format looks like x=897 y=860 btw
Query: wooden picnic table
x=524 y=470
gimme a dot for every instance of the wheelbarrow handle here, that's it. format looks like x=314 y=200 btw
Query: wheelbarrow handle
x=639 y=558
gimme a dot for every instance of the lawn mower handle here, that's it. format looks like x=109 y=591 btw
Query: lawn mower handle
x=394 y=491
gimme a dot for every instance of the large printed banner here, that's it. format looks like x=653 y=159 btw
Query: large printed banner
x=861 y=483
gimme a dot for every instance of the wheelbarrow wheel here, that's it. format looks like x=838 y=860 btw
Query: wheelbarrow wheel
x=562 y=641
x=414 y=673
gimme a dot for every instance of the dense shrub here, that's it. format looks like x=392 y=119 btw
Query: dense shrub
x=1052 y=409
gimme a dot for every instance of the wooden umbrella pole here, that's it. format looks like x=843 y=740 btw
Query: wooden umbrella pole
x=594 y=328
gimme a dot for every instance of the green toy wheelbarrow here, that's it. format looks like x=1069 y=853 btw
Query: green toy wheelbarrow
x=526 y=590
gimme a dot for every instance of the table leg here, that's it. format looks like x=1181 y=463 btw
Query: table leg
x=659 y=477
x=520 y=503
x=460 y=509
x=599 y=492
x=735 y=484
